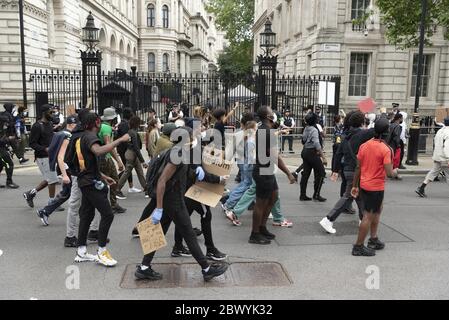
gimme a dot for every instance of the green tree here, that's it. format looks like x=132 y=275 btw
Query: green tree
x=402 y=20
x=235 y=18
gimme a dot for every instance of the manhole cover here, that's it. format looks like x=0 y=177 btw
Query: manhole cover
x=188 y=275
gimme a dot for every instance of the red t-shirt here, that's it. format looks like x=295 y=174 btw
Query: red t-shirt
x=373 y=155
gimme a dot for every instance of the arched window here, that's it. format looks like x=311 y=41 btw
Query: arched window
x=165 y=22
x=151 y=15
x=151 y=62
x=165 y=63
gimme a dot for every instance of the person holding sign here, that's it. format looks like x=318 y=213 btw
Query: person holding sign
x=169 y=205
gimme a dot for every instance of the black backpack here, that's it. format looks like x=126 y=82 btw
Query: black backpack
x=155 y=168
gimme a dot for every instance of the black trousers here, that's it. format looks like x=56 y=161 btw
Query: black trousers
x=343 y=184
x=175 y=210
x=290 y=142
x=94 y=199
x=7 y=163
x=311 y=161
x=402 y=152
x=121 y=154
x=206 y=223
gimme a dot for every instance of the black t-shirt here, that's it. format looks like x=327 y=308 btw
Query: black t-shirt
x=91 y=162
x=265 y=141
x=221 y=128
x=122 y=129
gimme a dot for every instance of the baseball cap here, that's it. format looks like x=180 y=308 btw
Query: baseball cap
x=72 y=119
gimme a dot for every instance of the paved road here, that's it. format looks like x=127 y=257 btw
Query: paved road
x=33 y=262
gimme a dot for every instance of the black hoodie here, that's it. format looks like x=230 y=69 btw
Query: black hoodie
x=346 y=156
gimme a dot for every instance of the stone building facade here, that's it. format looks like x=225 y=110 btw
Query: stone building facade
x=161 y=36
x=319 y=37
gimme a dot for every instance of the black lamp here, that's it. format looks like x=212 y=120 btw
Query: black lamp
x=91 y=33
x=268 y=38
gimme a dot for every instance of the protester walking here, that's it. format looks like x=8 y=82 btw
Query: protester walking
x=440 y=158
x=40 y=139
x=346 y=162
x=375 y=161
x=5 y=157
x=133 y=155
x=394 y=141
x=151 y=136
x=94 y=190
x=169 y=205
x=267 y=156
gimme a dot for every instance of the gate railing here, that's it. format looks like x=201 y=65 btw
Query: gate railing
x=142 y=91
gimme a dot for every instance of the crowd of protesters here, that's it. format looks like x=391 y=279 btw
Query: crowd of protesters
x=93 y=157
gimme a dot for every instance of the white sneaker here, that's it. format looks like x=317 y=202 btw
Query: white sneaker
x=270 y=216
x=87 y=257
x=106 y=259
x=134 y=190
x=327 y=225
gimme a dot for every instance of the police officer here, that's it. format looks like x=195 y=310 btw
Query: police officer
x=287 y=122
x=6 y=140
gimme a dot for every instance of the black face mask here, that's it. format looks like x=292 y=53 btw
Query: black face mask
x=48 y=116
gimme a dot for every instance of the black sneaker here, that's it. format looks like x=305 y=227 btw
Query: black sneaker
x=23 y=160
x=215 y=254
x=319 y=198
x=29 y=198
x=148 y=274
x=118 y=210
x=2 y=186
x=197 y=232
x=11 y=185
x=43 y=216
x=376 y=244
x=402 y=167
x=267 y=234
x=135 y=233
x=92 y=236
x=70 y=242
x=119 y=195
x=215 y=270
x=304 y=198
x=421 y=192
x=362 y=251
x=257 y=238
x=180 y=252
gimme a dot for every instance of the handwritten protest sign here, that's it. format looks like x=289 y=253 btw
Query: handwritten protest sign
x=440 y=114
x=70 y=110
x=213 y=163
x=206 y=193
x=152 y=237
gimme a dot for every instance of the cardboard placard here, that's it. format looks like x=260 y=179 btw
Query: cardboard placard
x=214 y=162
x=152 y=237
x=70 y=110
x=89 y=103
x=206 y=193
x=440 y=114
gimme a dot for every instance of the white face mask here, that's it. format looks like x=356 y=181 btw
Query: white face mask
x=15 y=112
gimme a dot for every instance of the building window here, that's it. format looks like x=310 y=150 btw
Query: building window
x=425 y=80
x=165 y=22
x=151 y=15
x=151 y=62
x=358 y=10
x=358 y=74
x=165 y=63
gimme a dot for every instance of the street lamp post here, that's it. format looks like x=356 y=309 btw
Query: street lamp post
x=412 y=153
x=22 y=54
x=91 y=60
x=267 y=65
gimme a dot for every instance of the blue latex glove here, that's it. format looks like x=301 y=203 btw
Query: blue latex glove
x=200 y=174
x=156 y=215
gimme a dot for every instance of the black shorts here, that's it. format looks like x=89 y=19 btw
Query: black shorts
x=265 y=185
x=372 y=200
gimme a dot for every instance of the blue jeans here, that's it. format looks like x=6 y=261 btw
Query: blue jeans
x=246 y=181
x=60 y=198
